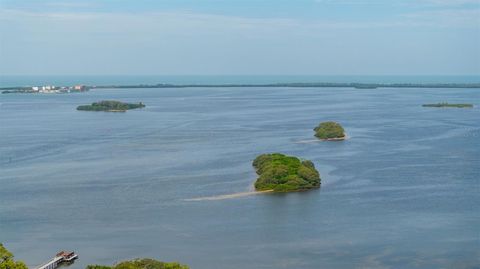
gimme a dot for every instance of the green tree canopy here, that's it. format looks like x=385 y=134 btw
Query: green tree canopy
x=7 y=262
x=110 y=106
x=282 y=173
x=141 y=264
x=329 y=130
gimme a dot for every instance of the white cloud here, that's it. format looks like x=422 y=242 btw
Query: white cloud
x=154 y=21
x=182 y=42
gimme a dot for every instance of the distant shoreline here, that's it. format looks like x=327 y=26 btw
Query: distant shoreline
x=358 y=86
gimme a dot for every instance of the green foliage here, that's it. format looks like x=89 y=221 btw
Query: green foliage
x=142 y=264
x=110 y=106
x=449 y=105
x=7 y=262
x=282 y=173
x=329 y=130
x=5 y=254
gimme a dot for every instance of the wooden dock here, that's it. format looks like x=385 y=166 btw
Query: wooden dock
x=61 y=257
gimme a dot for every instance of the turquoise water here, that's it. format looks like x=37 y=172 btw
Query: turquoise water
x=401 y=192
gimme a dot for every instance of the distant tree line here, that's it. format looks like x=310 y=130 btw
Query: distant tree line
x=448 y=105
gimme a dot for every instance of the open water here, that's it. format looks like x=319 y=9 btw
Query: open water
x=402 y=192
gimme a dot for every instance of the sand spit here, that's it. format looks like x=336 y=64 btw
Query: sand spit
x=310 y=141
x=318 y=140
x=227 y=196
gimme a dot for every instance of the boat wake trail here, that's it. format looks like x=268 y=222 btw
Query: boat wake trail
x=227 y=196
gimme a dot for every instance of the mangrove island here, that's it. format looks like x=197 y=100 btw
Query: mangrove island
x=110 y=106
x=448 y=105
x=330 y=130
x=282 y=173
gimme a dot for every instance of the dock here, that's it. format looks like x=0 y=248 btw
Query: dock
x=61 y=257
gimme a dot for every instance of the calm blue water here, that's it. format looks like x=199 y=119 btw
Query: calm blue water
x=402 y=192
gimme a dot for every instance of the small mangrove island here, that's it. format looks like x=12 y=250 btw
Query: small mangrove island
x=141 y=264
x=110 y=106
x=281 y=173
x=448 y=105
x=330 y=130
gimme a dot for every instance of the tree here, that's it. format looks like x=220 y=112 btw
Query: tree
x=7 y=262
x=282 y=173
x=142 y=264
x=329 y=130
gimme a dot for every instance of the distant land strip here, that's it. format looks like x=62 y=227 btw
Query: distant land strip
x=293 y=85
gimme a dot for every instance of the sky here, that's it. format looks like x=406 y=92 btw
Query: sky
x=240 y=37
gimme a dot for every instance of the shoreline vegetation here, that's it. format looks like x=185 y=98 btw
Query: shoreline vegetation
x=330 y=131
x=141 y=264
x=23 y=89
x=448 y=105
x=281 y=173
x=110 y=106
x=7 y=261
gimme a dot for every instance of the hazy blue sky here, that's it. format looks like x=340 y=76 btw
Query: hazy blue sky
x=322 y=37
